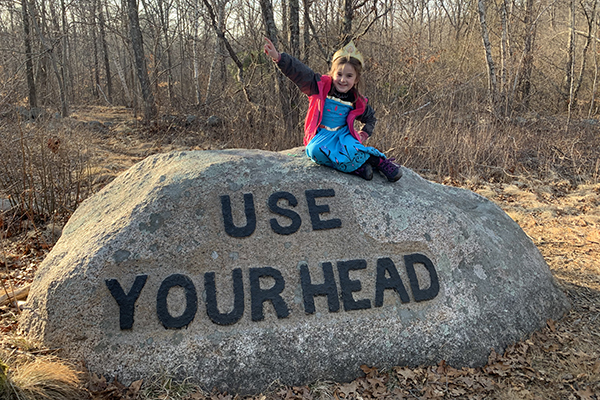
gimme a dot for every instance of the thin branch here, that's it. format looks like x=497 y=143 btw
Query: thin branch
x=371 y=24
x=232 y=54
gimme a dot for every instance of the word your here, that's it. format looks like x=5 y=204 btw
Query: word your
x=314 y=210
x=386 y=278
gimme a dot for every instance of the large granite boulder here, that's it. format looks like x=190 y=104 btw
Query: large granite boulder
x=239 y=268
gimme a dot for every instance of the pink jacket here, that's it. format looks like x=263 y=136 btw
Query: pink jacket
x=316 y=105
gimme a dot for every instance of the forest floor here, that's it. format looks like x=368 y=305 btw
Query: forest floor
x=562 y=361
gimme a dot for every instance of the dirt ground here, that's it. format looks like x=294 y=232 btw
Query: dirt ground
x=560 y=362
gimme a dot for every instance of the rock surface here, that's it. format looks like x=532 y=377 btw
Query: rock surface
x=238 y=268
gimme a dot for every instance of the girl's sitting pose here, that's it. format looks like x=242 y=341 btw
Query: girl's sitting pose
x=334 y=104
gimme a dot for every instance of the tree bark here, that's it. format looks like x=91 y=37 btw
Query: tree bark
x=137 y=43
x=164 y=23
x=294 y=34
x=294 y=27
x=64 y=110
x=570 y=67
x=346 y=31
x=280 y=83
x=218 y=62
x=588 y=39
x=527 y=66
x=101 y=23
x=195 y=53
x=96 y=69
x=306 y=32
x=28 y=60
x=491 y=67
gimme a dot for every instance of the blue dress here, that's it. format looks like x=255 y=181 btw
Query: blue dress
x=333 y=145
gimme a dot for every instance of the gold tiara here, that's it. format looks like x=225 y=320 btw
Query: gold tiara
x=348 y=50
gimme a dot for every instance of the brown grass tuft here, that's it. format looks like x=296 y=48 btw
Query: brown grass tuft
x=39 y=379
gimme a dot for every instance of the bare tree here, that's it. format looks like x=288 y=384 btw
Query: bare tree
x=195 y=52
x=221 y=34
x=570 y=66
x=137 y=43
x=28 y=56
x=590 y=16
x=218 y=61
x=457 y=12
x=294 y=28
x=524 y=78
x=49 y=50
x=306 y=31
x=281 y=84
x=491 y=67
x=101 y=24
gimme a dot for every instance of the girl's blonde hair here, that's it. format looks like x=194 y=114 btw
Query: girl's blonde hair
x=355 y=63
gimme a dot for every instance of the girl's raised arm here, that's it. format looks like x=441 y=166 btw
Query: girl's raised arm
x=271 y=50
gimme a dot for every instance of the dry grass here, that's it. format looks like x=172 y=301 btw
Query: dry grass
x=24 y=376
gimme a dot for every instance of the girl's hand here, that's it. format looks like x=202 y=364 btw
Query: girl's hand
x=271 y=51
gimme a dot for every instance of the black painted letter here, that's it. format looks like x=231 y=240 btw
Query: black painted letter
x=393 y=282
x=191 y=301
x=127 y=301
x=230 y=227
x=296 y=221
x=348 y=285
x=212 y=309
x=314 y=210
x=327 y=288
x=258 y=296
x=434 y=287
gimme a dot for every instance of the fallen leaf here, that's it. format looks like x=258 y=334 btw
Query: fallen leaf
x=134 y=388
x=585 y=394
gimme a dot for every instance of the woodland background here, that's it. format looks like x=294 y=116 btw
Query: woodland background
x=492 y=88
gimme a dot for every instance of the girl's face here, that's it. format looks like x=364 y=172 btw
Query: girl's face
x=344 y=77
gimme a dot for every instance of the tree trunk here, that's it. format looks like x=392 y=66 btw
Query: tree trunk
x=294 y=40
x=504 y=51
x=65 y=65
x=137 y=43
x=570 y=67
x=588 y=39
x=164 y=22
x=280 y=82
x=101 y=23
x=294 y=26
x=64 y=110
x=218 y=62
x=491 y=68
x=527 y=57
x=346 y=31
x=306 y=32
x=595 y=81
x=96 y=69
x=221 y=34
x=195 y=54
x=28 y=61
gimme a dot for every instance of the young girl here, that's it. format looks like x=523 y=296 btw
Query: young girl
x=334 y=104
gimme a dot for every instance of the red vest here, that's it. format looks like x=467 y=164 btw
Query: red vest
x=316 y=105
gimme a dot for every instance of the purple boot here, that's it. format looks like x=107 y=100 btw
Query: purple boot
x=365 y=171
x=390 y=169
